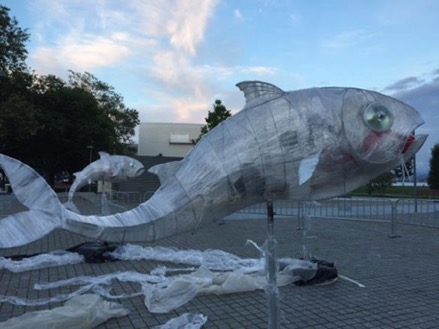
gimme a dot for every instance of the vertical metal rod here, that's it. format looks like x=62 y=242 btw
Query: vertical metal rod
x=90 y=147
x=393 y=234
x=300 y=216
x=272 y=290
x=415 y=183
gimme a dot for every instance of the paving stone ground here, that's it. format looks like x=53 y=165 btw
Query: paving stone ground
x=400 y=275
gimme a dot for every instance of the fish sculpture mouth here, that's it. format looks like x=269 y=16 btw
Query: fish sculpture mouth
x=412 y=145
x=139 y=172
x=409 y=142
x=413 y=142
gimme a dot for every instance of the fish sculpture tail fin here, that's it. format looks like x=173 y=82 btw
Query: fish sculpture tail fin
x=44 y=214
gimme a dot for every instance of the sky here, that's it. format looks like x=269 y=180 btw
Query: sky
x=170 y=59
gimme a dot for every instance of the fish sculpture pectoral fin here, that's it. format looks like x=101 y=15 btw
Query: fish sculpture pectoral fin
x=307 y=167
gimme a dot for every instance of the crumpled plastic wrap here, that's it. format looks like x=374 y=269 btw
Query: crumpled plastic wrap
x=54 y=258
x=163 y=298
x=84 y=311
x=165 y=289
x=185 y=321
x=213 y=259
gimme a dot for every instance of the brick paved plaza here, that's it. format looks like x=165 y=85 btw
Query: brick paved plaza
x=400 y=275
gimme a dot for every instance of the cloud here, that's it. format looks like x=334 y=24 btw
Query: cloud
x=155 y=43
x=182 y=23
x=85 y=53
x=403 y=84
x=238 y=15
x=295 y=17
x=346 y=40
x=406 y=11
x=425 y=98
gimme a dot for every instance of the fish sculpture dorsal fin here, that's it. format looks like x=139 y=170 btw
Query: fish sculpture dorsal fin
x=165 y=171
x=103 y=154
x=257 y=92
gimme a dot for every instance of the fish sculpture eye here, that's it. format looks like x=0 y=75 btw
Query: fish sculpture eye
x=131 y=164
x=378 y=118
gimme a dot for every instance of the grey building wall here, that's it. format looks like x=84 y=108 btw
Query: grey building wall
x=167 y=139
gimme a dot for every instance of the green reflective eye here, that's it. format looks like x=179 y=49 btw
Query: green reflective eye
x=378 y=118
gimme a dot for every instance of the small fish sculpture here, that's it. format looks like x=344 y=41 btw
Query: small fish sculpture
x=109 y=168
x=307 y=144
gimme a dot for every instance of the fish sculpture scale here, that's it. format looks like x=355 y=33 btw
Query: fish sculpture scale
x=309 y=144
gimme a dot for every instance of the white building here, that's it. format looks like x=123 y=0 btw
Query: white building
x=167 y=139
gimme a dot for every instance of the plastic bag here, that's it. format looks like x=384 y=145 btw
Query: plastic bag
x=85 y=311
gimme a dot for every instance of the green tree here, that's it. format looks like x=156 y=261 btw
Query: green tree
x=13 y=51
x=47 y=122
x=18 y=122
x=214 y=118
x=124 y=119
x=380 y=183
x=17 y=117
x=433 y=174
x=69 y=119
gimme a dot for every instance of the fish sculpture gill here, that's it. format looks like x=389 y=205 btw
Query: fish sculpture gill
x=307 y=144
x=109 y=168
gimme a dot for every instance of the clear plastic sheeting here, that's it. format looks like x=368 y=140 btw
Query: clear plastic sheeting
x=165 y=289
x=185 y=321
x=164 y=294
x=167 y=296
x=55 y=258
x=85 y=312
x=309 y=144
x=213 y=259
x=100 y=285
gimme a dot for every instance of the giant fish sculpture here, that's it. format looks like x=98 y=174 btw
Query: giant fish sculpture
x=109 y=168
x=307 y=145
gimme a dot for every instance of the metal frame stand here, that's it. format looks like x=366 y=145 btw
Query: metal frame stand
x=272 y=290
x=393 y=234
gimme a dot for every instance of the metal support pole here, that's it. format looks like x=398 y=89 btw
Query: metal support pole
x=393 y=234
x=90 y=147
x=306 y=227
x=300 y=221
x=415 y=183
x=272 y=290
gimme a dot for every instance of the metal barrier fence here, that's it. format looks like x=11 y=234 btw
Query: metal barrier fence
x=421 y=212
x=86 y=202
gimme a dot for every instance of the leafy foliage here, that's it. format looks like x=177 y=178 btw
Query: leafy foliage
x=214 y=118
x=13 y=52
x=111 y=103
x=380 y=183
x=47 y=122
x=433 y=174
